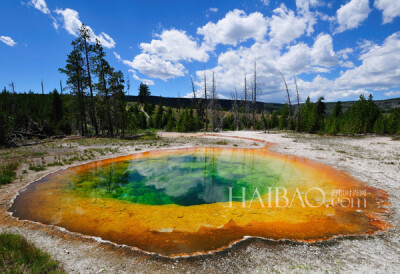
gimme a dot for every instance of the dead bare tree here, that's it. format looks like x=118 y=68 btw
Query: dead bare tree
x=42 y=87
x=254 y=95
x=298 y=105
x=213 y=109
x=205 y=99
x=61 y=87
x=290 y=118
x=193 y=89
x=235 y=109
x=246 y=105
x=12 y=86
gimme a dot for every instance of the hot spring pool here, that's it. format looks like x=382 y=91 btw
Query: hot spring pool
x=197 y=200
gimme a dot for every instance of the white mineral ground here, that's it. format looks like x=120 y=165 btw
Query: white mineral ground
x=373 y=160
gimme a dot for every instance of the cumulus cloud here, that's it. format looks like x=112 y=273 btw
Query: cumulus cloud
x=390 y=9
x=72 y=23
x=296 y=59
x=235 y=27
x=286 y=26
x=40 y=5
x=378 y=71
x=322 y=53
x=162 y=56
x=352 y=14
x=8 y=41
x=379 y=68
x=175 y=45
x=155 y=67
x=321 y=86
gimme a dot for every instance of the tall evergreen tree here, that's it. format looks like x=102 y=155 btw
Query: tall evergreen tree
x=338 y=110
x=57 y=111
x=77 y=82
x=83 y=44
x=104 y=73
x=144 y=91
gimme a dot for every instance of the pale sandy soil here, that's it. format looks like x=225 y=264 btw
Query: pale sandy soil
x=373 y=160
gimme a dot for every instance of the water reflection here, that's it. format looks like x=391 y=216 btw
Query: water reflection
x=194 y=178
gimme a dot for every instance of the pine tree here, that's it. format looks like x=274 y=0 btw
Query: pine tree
x=338 y=111
x=320 y=111
x=6 y=122
x=158 y=121
x=82 y=43
x=144 y=91
x=307 y=122
x=104 y=73
x=274 y=120
x=118 y=100
x=77 y=82
x=57 y=111
x=284 y=117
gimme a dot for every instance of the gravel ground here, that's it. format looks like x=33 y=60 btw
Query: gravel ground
x=373 y=160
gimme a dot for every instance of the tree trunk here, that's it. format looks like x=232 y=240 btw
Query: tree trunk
x=92 y=110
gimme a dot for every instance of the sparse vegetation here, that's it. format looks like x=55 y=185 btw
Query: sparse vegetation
x=17 y=255
x=8 y=172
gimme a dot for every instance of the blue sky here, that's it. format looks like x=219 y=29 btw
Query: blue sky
x=336 y=49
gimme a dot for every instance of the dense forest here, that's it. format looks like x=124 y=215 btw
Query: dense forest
x=97 y=105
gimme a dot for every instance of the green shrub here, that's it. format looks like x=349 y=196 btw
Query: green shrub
x=8 y=172
x=17 y=255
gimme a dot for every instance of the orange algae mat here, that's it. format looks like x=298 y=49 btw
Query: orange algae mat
x=198 y=200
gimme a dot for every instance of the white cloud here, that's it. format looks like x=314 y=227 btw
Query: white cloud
x=8 y=41
x=286 y=26
x=72 y=23
x=296 y=59
x=146 y=81
x=346 y=64
x=105 y=40
x=344 y=53
x=161 y=57
x=134 y=74
x=155 y=67
x=322 y=53
x=306 y=4
x=235 y=27
x=265 y=2
x=379 y=69
x=390 y=9
x=321 y=86
x=71 y=20
x=352 y=14
x=175 y=45
x=393 y=93
x=40 y=5
x=55 y=24
x=213 y=9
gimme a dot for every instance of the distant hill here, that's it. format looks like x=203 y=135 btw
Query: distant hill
x=174 y=102
x=384 y=105
x=226 y=104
